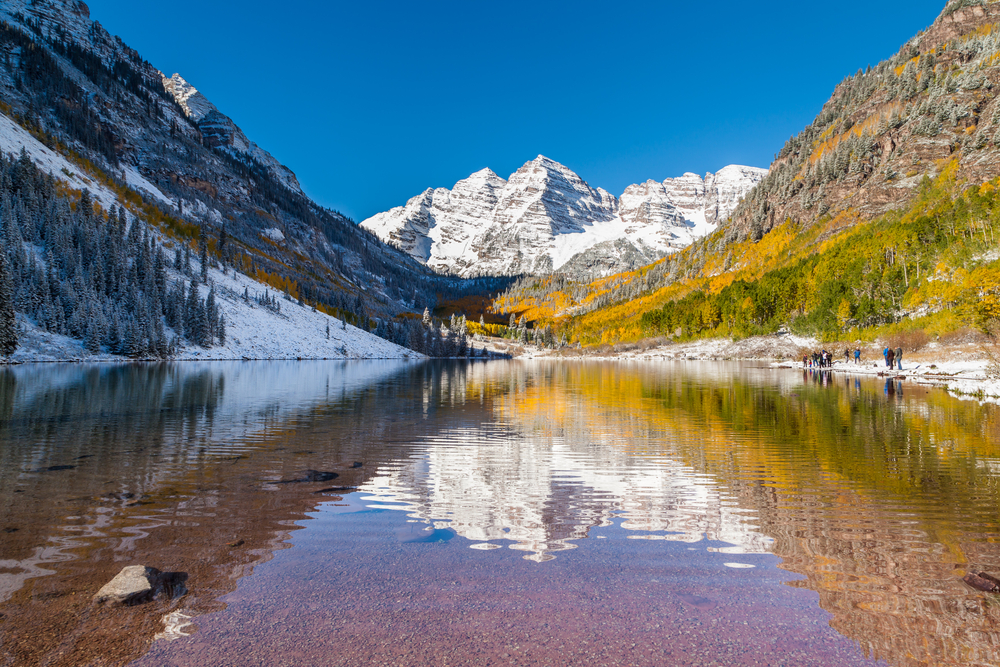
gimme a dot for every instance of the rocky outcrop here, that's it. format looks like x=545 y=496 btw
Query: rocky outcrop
x=546 y=218
x=219 y=131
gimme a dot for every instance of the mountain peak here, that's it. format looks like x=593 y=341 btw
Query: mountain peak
x=194 y=104
x=545 y=218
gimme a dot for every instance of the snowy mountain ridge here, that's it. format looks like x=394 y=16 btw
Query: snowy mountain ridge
x=545 y=218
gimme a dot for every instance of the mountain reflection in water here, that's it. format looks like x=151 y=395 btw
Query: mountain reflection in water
x=880 y=495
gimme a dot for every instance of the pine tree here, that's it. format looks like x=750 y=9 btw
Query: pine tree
x=223 y=248
x=8 y=322
x=203 y=254
x=212 y=314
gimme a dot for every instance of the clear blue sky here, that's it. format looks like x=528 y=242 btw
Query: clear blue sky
x=372 y=102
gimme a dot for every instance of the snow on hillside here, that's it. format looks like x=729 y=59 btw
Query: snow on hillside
x=253 y=332
x=13 y=138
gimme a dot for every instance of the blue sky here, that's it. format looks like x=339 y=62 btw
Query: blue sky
x=372 y=102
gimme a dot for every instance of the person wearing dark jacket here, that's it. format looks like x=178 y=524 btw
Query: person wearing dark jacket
x=890 y=359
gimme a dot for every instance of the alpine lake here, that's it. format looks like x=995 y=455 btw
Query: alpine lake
x=495 y=513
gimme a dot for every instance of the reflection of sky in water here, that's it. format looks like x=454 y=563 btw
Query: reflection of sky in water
x=542 y=493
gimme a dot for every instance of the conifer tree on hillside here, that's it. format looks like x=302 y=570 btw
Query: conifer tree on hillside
x=8 y=323
x=203 y=254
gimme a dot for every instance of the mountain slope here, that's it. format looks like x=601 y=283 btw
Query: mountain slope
x=545 y=218
x=886 y=128
x=86 y=93
x=154 y=156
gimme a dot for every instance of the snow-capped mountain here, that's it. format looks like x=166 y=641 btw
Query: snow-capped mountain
x=545 y=218
x=437 y=226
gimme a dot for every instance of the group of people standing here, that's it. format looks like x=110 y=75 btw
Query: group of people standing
x=893 y=358
x=823 y=359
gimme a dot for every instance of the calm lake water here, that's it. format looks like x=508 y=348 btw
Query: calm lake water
x=502 y=513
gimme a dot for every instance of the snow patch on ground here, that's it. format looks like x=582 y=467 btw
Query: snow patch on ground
x=137 y=182
x=255 y=332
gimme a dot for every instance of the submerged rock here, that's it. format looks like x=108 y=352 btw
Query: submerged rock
x=986 y=583
x=311 y=476
x=133 y=584
x=337 y=489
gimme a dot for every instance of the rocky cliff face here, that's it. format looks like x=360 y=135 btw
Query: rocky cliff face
x=545 y=218
x=437 y=226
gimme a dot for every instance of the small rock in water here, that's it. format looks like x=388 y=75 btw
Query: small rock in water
x=980 y=583
x=311 y=476
x=133 y=584
x=990 y=577
x=237 y=543
x=697 y=601
x=357 y=464
x=336 y=489
x=54 y=468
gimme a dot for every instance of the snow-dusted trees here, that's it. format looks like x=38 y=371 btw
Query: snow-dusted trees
x=91 y=275
x=8 y=323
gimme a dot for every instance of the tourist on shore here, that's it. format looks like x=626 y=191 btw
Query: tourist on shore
x=857 y=356
x=885 y=355
x=847 y=355
x=890 y=358
x=899 y=358
x=805 y=361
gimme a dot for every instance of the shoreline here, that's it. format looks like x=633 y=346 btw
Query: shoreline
x=960 y=367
